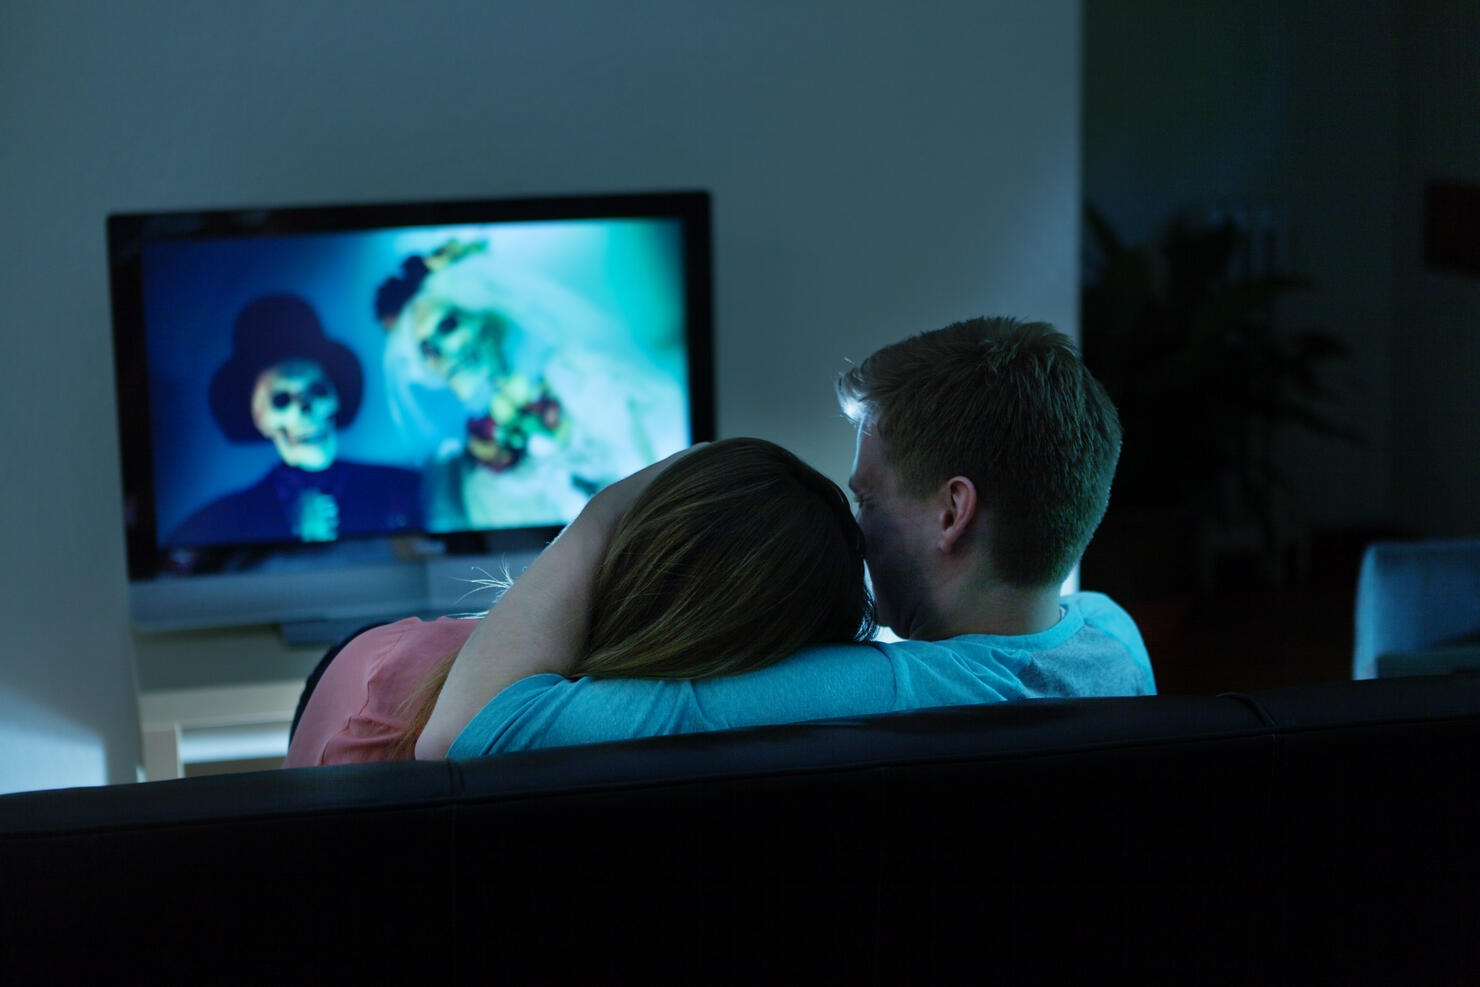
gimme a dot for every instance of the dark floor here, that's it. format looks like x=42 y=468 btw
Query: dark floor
x=1242 y=633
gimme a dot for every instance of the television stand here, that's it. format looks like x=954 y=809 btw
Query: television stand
x=216 y=729
x=216 y=700
x=329 y=631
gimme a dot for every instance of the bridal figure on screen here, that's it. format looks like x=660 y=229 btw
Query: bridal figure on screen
x=288 y=384
x=553 y=399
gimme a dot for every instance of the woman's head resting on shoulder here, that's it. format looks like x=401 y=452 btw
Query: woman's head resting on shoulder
x=732 y=558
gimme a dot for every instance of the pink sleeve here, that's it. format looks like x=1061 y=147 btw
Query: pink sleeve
x=354 y=715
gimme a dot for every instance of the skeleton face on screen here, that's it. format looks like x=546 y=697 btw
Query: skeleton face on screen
x=294 y=404
x=464 y=348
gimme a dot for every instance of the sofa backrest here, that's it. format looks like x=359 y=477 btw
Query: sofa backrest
x=1325 y=829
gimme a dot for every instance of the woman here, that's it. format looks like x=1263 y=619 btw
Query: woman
x=720 y=560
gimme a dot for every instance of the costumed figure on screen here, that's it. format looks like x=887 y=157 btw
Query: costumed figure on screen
x=287 y=383
x=550 y=400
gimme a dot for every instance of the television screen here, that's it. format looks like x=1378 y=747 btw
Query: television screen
x=315 y=404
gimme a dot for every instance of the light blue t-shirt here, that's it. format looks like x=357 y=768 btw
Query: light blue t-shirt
x=1094 y=650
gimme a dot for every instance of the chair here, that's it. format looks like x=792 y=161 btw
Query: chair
x=1418 y=608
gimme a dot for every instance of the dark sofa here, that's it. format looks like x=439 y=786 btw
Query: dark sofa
x=1320 y=834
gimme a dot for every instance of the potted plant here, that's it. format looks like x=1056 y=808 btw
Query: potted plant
x=1184 y=334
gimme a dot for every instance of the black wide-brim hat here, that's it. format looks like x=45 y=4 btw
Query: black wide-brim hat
x=271 y=330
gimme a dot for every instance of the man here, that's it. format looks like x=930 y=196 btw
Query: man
x=984 y=459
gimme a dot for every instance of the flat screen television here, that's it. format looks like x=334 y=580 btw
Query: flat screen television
x=338 y=414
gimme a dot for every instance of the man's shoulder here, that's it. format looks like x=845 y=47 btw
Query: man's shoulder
x=1090 y=602
x=1094 y=649
x=1106 y=657
x=1102 y=613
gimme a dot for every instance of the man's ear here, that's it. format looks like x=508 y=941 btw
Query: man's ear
x=958 y=504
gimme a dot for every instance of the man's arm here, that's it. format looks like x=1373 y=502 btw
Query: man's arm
x=539 y=625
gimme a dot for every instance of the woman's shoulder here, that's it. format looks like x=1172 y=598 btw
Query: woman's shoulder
x=408 y=646
x=409 y=633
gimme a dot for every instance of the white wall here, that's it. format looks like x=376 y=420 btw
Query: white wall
x=878 y=168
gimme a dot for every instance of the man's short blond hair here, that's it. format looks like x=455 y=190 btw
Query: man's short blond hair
x=1011 y=406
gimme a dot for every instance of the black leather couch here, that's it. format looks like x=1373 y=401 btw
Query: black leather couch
x=1321 y=834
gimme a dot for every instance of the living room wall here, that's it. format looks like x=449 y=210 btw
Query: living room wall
x=1266 y=106
x=1331 y=115
x=1436 y=332
x=876 y=170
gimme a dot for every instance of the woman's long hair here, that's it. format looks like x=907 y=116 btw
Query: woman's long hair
x=732 y=558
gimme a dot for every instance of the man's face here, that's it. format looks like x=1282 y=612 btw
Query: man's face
x=294 y=405
x=896 y=536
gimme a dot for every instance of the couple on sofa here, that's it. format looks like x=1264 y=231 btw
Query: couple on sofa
x=724 y=586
